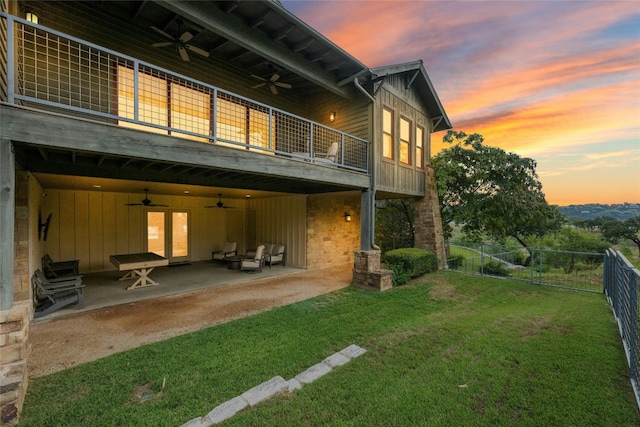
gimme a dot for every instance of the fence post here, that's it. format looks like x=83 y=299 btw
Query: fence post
x=482 y=259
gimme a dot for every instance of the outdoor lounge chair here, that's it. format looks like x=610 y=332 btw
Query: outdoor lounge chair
x=50 y=295
x=229 y=249
x=331 y=156
x=275 y=256
x=54 y=269
x=255 y=262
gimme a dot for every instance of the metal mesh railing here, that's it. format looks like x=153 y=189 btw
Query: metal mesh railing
x=622 y=286
x=56 y=71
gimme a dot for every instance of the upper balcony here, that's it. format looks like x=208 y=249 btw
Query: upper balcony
x=50 y=70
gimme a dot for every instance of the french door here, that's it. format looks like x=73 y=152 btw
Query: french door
x=167 y=234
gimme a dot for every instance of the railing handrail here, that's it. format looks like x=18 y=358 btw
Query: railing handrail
x=13 y=95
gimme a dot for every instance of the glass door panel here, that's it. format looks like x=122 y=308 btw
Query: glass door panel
x=156 y=233
x=179 y=237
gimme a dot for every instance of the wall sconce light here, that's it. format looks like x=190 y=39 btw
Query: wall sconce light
x=347 y=216
x=332 y=116
x=31 y=17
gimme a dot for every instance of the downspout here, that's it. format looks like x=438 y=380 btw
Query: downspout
x=372 y=197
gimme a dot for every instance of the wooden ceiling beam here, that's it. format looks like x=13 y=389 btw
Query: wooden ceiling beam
x=234 y=29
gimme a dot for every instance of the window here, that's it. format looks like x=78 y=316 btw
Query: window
x=242 y=123
x=387 y=134
x=163 y=103
x=419 y=147
x=405 y=141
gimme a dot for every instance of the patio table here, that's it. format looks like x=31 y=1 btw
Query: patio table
x=138 y=266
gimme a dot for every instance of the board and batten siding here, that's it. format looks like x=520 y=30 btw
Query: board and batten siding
x=283 y=220
x=352 y=116
x=93 y=225
x=391 y=176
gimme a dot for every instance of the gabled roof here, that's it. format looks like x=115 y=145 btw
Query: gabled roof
x=420 y=80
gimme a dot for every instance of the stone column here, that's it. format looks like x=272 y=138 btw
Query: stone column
x=17 y=310
x=367 y=272
x=428 y=223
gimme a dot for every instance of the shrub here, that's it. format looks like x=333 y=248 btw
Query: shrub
x=407 y=263
x=495 y=268
x=455 y=261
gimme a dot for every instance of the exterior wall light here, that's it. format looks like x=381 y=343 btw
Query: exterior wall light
x=31 y=17
x=347 y=216
x=332 y=116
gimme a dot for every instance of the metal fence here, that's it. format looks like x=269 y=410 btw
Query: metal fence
x=622 y=286
x=573 y=270
x=48 y=69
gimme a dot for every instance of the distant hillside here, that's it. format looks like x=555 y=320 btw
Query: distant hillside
x=621 y=211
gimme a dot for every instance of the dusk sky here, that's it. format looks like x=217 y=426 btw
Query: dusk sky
x=557 y=81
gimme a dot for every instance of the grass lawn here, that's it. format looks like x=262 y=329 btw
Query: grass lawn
x=445 y=350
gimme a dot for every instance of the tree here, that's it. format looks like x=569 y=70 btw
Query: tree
x=395 y=224
x=613 y=230
x=571 y=244
x=492 y=192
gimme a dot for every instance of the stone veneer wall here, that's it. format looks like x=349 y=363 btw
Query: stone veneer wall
x=15 y=322
x=330 y=239
x=428 y=222
x=367 y=273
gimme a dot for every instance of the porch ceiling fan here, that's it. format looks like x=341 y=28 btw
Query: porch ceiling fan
x=272 y=83
x=179 y=42
x=220 y=204
x=146 y=201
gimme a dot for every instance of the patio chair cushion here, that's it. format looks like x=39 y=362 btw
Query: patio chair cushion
x=256 y=262
x=228 y=249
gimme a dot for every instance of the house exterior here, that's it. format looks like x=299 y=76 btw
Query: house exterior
x=201 y=103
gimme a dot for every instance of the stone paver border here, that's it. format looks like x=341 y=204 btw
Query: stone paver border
x=273 y=387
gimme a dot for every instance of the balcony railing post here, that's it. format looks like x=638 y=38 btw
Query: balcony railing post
x=11 y=82
x=311 y=148
x=214 y=115
x=269 y=131
x=136 y=92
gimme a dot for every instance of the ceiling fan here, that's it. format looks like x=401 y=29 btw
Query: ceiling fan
x=220 y=204
x=272 y=82
x=146 y=201
x=180 y=43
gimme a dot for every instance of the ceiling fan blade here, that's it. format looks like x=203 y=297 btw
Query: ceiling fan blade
x=273 y=89
x=259 y=78
x=133 y=204
x=185 y=37
x=258 y=85
x=162 y=44
x=284 y=85
x=197 y=50
x=183 y=53
x=162 y=32
x=274 y=77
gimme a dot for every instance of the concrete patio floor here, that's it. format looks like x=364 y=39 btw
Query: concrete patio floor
x=104 y=289
x=188 y=298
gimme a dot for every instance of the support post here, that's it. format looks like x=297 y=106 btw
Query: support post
x=367 y=219
x=7 y=220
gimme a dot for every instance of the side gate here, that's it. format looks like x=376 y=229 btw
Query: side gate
x=581 y=271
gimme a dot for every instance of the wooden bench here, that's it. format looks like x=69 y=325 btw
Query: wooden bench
x=50 y=295
x=54 y=269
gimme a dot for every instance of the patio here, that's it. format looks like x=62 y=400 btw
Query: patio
x=188 y=298
x=104 y=289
